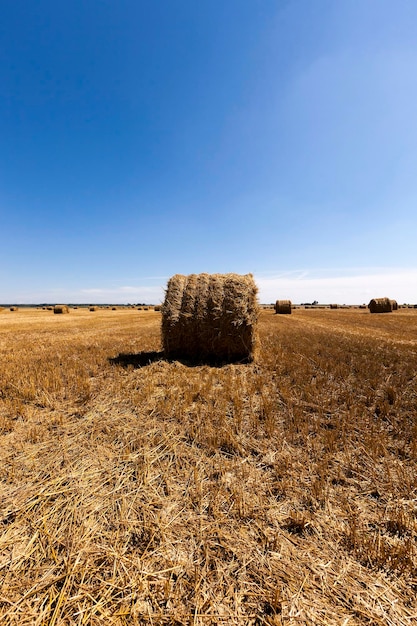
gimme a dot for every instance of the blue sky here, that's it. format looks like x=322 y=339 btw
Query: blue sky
x=139 y=139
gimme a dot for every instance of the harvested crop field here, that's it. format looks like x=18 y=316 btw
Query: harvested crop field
x=135 y=490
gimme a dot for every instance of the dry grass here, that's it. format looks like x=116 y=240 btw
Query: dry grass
x=140 y=491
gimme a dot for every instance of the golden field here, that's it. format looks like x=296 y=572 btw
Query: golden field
x=140 y=491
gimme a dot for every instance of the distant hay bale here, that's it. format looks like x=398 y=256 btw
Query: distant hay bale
x=93 y=308
x=14 y=308
x=210 y=317
x=157 y=308
x=394 y=305
x=380 y=305
x=334 y=306
x=283 y=307
x=61 y=308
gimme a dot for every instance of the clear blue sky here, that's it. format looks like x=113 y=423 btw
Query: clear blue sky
x=144 y=138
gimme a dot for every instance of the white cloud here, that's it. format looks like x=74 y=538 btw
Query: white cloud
x=94 y=295
x=343 y=286
x=351 y=286
x=140 y=293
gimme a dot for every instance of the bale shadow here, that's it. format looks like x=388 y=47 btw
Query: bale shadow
x=142 y=359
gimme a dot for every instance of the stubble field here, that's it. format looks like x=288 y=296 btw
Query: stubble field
x=140 y=491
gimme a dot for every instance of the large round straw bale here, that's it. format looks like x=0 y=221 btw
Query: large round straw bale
x=93 y=308
x=210 y=317
x=14 y=308
x=394 y=305
x=334 y=306
x=283 y=307
x=380 y=305
x=61 y=308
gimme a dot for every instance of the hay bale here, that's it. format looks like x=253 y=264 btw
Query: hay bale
x=14 y=308
x=93 y=308
x=210 y=317
x=283 y=307
x=334 y=306
x=394 y=305
x=61 y=308
x=380 y=305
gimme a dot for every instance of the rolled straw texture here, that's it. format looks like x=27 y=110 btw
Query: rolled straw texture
x=283 y=307
x=61 y=308
x=210 y=317
x=380 y=305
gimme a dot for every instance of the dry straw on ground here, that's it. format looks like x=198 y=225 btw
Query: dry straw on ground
x=283 y=307
x=142 y=492
x=210 y=316
x=380 y=305
x=61 y=308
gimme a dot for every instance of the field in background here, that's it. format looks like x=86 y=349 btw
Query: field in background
x=140 y=491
